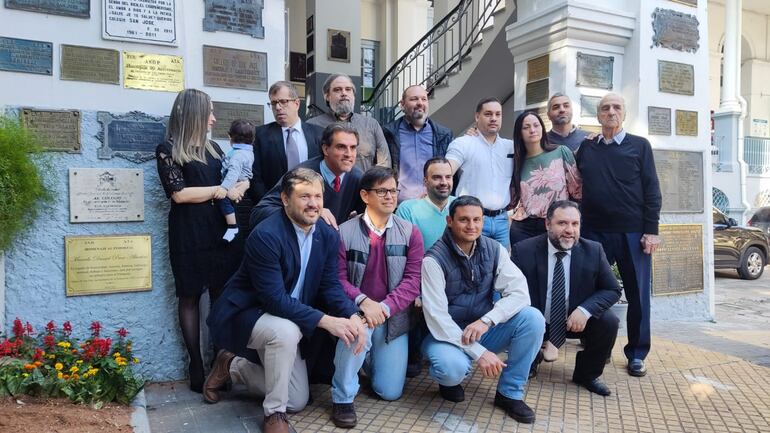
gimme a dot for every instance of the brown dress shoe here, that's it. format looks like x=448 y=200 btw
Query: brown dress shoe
x=219 y=375
x=276 y=423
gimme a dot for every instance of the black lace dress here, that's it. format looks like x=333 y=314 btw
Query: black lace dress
x=199 y=257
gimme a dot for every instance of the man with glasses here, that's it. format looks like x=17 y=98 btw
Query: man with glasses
x=281 y=145
x=379 y=266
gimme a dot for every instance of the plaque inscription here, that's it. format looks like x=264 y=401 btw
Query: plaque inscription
x=69 y=8
x=677 y=265
x=57 y=130
x=106 y=195
x=226 y=112
x=537 y=91
x=538 y=68
x=594 y=71
x=237 y=69
x=242 y=16
x=676 y=78
x=658 y=121
x=107 y=264
x=96 y=65
x=687 y=123
x=588 y=105
x=675 y=30
x=680 y=175
x=23 y=55
x=153 y=72
x=146 y=21
x=132 y=136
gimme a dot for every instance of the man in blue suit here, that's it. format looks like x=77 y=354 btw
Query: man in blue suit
x=286 y=287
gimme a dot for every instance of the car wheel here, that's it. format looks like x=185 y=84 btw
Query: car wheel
x=752 y=264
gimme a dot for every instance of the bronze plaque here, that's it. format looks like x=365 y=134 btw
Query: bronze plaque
x=236 y=69
x=675 y=30
x=538 y=68
x=658 y=121
x=57 y=130
x=107 y=264
x=537 y=91
x=687 y=123
x=226 y=112
x=588 y=105
x=594 y=71
x=95 y=65
x=680 y=175
x=677 y=265
x=676 y=78
x=106 y=195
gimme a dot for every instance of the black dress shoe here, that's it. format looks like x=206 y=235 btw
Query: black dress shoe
x=413 y=369
x=535 y=364
x=344 y=415
x=596 y=386
x=637 y=368
x=516 y=409
x=452 y=393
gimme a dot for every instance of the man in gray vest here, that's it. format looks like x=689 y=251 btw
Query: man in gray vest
x=460 y=274
x=562 y=130
x=379 y=266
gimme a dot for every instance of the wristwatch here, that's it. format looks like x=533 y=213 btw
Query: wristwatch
x=487 y=321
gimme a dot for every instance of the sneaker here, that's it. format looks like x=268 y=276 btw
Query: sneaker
x=516 y=409
x=344 y=415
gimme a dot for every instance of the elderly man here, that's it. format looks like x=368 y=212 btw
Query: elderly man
x=340 y=96
x=414 y=139
x=621 y=209
x=562 y=130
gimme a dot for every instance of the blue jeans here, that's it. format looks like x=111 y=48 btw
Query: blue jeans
x=384 y=363
x=497 y=229
x=521 y=336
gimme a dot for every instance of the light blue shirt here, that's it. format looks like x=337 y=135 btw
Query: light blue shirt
x=299 y=139
x=617 y=139
x=328 y=175
x=305 y=242
x=416 y=148
x=429 y=219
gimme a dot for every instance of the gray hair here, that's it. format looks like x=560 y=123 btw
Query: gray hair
x=278 y=85
x=328 y=83
x=557 y=95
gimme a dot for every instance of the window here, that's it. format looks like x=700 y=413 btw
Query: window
x=370 y=50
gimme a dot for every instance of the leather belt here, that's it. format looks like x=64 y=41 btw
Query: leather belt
x=494 y=213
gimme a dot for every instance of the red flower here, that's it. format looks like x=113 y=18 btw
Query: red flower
x=50 y=327
x=29 y=329
x=96 y=328
x=122 y=332
x=38 y=354
x=49 y=341
x=18 y=328
x=67 y=326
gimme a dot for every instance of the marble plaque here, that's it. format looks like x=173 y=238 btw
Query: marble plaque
x=144 y=21
x=537 y=91
x=538 y=68
x=95 y=65
x=96 y=265
x=677 y=265
x=132 y=136
x=588 y=105
x=227 y=112
x=57 y=130
x=676 y=78
x=594 y=71
x=69 y=8
x=693 y=3
x=23 y=55
x=658 y=121
x=106 y=195
x=153 y=72
x=687 y=123
x=237 y=69
x=675 y=30
x=680 y=174
x=235 y=16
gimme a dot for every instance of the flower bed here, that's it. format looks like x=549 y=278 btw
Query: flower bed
x=55 y=364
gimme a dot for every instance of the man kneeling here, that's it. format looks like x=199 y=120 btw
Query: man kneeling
x=460 y=274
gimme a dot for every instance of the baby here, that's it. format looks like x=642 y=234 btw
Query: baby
x=236 y=167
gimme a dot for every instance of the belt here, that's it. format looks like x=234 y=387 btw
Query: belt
x=494 y=213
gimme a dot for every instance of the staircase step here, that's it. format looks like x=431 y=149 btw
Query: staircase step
x=466 y=59
x=498 y=11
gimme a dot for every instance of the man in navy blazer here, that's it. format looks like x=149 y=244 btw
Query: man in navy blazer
x=561 y=265
x=285 y=289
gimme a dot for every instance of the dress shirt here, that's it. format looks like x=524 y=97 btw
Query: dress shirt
x=487 y=169
x=617 y=138
x=360 y=298
x=328 y=175
x=565 y=261
x=299 y=139
x=305 y=241
x=416 y=148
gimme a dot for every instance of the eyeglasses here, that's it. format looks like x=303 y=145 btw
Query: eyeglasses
x=382 y=192
x=279 y=102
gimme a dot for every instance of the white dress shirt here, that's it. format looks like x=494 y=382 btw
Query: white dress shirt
x=565 y=261
x=299 y=139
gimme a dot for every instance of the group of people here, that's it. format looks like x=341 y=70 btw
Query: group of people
x=383 y=248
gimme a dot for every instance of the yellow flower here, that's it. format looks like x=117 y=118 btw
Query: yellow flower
x=58 y=366
x=60 y=375
x=79 y=361
x=24 y=374
x=136 y=360
x=73 y=369
x=64 y=344
x=116 y=354
x=51 y=356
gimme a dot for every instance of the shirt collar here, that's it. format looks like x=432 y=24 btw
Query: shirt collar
x=297 y=126
x=617 y=139
x=327 y=173
x=244 y=146
x=473 y=248
x=552 y=250
x=433 y=205
x=301 y=233
x=372 y=227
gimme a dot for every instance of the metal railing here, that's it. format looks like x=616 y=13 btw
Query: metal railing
x=435 y=56
x=756 y=153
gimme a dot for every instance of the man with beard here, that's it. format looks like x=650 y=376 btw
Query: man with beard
x=562 y=130
x=340 y=96
x=571 y=283
x=414 y=139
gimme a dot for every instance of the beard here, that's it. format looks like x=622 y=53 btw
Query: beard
x=561 y=120
x=341 y=108
x=562 y=244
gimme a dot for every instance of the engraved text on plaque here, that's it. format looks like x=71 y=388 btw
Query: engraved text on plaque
x=226 y=112
x=658 y=121
x=687 y=123
x=57 y=130
x=23 y=55
x=70 y=8
x=680 y=175
x=675 y=30
x=132 y=136
x=107 y=264
x=677 y=265
x=106 y=194
x=238 y=69
x=676 y=78
x=153 y=72
x=594 y=71
x=146 y=21
x=96 y=65
x=242 y=16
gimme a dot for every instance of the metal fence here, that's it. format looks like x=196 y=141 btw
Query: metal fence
x=756 y=153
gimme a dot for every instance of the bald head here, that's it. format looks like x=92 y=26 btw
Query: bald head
x=611 y=111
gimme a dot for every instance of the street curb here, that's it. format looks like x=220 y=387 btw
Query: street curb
x=139 y=420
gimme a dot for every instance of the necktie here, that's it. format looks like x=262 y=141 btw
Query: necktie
x=336 y=184
x=292 y=153
x=558 y=324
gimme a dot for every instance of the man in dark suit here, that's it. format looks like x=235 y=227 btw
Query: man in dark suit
x=285 y=289
x=282 y=145
x=560 y=266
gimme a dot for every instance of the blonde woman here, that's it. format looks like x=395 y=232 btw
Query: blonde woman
x=190 y=167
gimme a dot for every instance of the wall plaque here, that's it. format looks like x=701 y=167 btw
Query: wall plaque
x=145 y=21
x=687 y=123
x=237 y=69
x=537 y=91
x=538 y=68
x=675 y=30
x=297 y=69
x=543 y=113
x=594 y=71
x=676 y=78
x=132 y=136
x=588 y=105
x=153 y=72
x=70 y=8
x=338 y=45
x=96 y=65
x=226 y=112
x=658 y=121
x=680 y=175
x=23 y=55
x=106 y=195
x=57 y=130
x=242 y=16
x=107 y=264
x=677 y=265
x=693 y=3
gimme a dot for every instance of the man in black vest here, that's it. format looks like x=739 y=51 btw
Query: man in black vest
x=460 y=274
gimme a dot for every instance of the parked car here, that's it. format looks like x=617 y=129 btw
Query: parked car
x=742 y=248
x=761 y=219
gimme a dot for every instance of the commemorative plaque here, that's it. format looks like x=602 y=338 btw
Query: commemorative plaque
x=145 y=21
x=675 y=30
x=693 y=3
x=23 y=55
x=132 y=136
x=537 y=91
x=677 y=265
x=236 y=69
x=226 y=112
x=543 y=113
x=242 y=16
x=153 y=72
x=676 y=78
x=96 y=65
x=687 y=123
x=588 y=105
x=680 y=175
x=57 y=130
x=538 y=68
x=107 y=264
x=594 y=71
x=106 y=195
x=658 y=121
x=69 y=8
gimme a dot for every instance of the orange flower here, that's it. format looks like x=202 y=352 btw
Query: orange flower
x=30 y=366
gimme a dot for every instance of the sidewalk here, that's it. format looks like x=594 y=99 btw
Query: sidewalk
x=702 y=377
